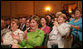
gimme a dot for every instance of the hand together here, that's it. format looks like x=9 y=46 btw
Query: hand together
x=25 y=35
x=56 y=23
x=15 y=36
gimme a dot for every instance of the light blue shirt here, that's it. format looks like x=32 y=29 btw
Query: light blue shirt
x=79 y=32
x=71 y=21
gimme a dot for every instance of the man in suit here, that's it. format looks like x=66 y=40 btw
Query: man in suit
x=23 y=25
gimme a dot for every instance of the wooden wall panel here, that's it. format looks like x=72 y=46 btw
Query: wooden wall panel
x=5 y=9
x=24 y=8
x=27 y=8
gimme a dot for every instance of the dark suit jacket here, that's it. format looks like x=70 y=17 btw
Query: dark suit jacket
x=24 y=28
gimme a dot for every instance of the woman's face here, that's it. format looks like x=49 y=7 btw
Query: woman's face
x=27 y=23
x=77 y=14
x=14 y=26
x=43 y=21
x=61 y=19
x=33 y=24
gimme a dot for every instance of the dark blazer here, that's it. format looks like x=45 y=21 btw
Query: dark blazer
x=23 y=28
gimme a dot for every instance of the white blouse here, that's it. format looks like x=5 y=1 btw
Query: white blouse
x=59 y=31
x=64 y=29
x=7 y=38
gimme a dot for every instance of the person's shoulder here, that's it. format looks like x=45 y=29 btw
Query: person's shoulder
x=9 y=32
x=48 y=27
x=66 y=25
x=39 y=30
x=20 y=31
x=81 y=18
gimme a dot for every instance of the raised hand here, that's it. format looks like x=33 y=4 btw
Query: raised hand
x=56 y=23
x=15 y=36
x=25 y=34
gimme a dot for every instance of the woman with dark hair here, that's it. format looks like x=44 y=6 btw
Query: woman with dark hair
x=50 y=23
x=44 y=27
x=60 y=29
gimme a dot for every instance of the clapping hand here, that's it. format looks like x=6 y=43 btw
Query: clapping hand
x=15 y=36
x=56 y=23
x=25 y=34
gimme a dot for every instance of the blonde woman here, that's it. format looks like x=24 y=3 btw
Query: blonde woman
x=60 y=29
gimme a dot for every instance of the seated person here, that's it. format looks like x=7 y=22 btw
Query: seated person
x=60 y=29
x=44 y=27
x=50 y=23
x=27 y=25
x=3 y=24
x=8 y=22
x=76 y=25
x=23 y=24
x=34 y=38
x=14 y=36
x=4 y=30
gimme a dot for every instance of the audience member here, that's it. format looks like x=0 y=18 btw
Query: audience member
x=44 y=27
x=15 y=36
x=60 y=29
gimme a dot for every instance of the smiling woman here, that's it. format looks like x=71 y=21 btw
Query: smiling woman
x=44 y=27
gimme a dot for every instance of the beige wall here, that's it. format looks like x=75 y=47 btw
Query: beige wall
x=26 y=8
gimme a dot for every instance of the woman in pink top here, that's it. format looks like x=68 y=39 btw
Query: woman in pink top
x=44 y=27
